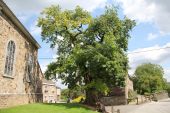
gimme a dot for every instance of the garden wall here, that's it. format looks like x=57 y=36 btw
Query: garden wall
x=161 y=95
x=114 y=100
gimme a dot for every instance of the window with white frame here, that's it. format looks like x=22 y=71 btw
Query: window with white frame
x=9 y=63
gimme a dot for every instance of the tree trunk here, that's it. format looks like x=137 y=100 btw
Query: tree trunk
x=91 y=97
x=91 y=93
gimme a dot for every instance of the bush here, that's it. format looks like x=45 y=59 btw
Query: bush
x=78 y=99
x=168 y=90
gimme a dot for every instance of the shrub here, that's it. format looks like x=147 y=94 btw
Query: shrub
x=78 y=99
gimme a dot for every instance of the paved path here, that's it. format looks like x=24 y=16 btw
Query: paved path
x=162 y=106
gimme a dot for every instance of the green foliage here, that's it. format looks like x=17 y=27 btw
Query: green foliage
x=99 y=86
x=68 y=24
x=149 y=78
x=78 y=99
x=72 y=93
x=64 y=94
x=168 y=89
x=91 y=51
x=51 y=72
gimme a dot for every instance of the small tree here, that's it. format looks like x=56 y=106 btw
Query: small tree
x=149 y=78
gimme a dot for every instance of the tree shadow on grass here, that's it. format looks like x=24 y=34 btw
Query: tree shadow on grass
x=68 y=105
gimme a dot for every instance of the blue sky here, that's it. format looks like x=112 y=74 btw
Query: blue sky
x=151 y=32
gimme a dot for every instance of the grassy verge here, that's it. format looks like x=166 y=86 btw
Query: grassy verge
x=48 y=108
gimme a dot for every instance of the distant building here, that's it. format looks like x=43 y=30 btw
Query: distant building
x=20 y=73
x=51 y=93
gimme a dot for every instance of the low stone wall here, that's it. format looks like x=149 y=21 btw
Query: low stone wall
x=161 y=95
x=114 y=100
x=10 y=100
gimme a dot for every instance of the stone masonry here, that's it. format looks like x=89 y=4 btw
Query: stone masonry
x=15 y=89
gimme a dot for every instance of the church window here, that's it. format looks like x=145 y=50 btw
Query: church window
x=9 y=63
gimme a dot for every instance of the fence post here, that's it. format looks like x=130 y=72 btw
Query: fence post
x=118 y=111
x=112 y=109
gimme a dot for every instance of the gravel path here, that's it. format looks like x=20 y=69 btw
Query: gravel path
x=162 y=106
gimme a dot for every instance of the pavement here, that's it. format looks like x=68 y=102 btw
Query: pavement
x=162 y=106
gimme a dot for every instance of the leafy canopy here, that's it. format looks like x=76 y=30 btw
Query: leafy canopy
x=149 y=78
x=91 y=50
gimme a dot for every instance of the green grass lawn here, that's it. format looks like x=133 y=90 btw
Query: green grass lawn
x=48 y=108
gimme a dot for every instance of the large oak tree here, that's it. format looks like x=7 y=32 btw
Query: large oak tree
x=91 y=50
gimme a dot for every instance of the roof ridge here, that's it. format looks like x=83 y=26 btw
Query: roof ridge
x=6 y=10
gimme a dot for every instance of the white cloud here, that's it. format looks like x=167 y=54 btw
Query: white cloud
x=152 y=36
x=138 y=9
x=26 y=9
x=34 y=29
x=36 y=6
x=150 y=54
x=154 y=11
x=59 y=84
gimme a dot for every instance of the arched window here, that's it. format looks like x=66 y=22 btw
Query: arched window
x=10 y=58
x=29 y=67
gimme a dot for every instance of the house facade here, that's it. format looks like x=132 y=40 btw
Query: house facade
x=20 y=73
x=51 y=93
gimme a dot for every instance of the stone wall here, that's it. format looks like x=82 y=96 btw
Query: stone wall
x=117 y=95
x=128 y=86
x=114 y=100
x=161 y=95
x=14 y=90
x=9 y=100
x=14 y=83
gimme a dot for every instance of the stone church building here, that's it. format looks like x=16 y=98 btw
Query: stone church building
x=20 y=73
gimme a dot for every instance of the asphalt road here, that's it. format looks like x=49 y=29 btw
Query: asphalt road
x=162 y=106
